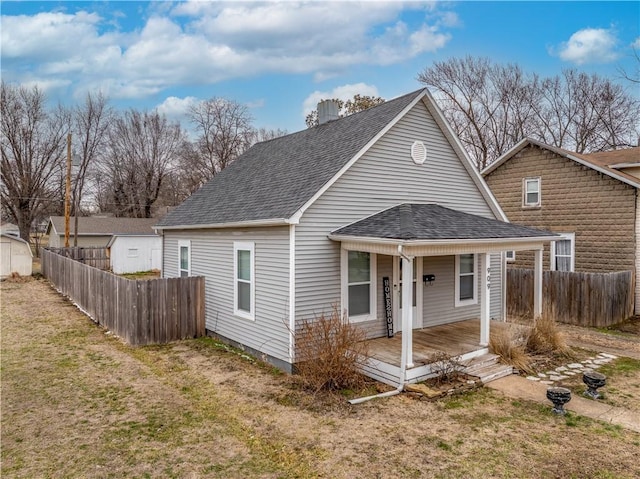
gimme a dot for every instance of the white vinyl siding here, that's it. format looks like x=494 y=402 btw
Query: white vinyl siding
x=531 y=192
x=184 y=258
x=244 y=283
x=466 y=287
x=383 y=177
x=562 y=257
x=212 y=257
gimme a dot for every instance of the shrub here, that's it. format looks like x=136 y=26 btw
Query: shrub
x=545 y=337
x=444 y=365
x=330 y=351
x=508 y=343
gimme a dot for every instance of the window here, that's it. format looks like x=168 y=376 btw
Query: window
x=132 y=253
x=511 y=256
x=244 y=297
x=562 y=253
x=360 y=285
x=531 y=192
x=466 y=288
x=184 y=258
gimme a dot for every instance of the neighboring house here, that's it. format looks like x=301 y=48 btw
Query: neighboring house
x=132 y=243
x=135 y=253
x=15 y=256
x=591 y=200
x=327 y=216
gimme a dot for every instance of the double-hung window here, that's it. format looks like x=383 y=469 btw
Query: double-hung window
x=244 y=285
x=360 y=285
x=531 y=195
x=184 y=258
x=466 y=287
x=562 y=256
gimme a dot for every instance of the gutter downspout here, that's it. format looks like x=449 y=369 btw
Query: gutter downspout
x=403 y=368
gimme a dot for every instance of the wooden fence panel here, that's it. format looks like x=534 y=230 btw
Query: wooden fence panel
x=140 y=312
x=584 y=299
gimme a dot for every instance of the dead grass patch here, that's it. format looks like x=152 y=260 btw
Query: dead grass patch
x=508 y=343
x=545 y=337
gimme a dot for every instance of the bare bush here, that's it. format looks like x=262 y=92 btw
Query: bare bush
x=445 y=366
x=508 y=343
x=545 y=337
x=330 y=351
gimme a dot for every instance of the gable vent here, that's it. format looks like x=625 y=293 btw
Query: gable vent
x=418 y=152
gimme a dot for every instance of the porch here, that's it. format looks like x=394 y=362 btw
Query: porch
x=460 y=340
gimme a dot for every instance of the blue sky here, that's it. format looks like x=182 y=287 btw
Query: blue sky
x=280 y=58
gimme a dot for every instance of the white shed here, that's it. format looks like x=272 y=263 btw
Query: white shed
x=15 y=256
x=135 y=253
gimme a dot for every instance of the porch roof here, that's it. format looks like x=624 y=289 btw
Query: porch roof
x=435 y=229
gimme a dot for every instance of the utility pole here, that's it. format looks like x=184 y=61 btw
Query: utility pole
x=67 y=206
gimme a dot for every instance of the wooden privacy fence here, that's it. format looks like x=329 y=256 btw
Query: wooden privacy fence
x=93 y=256
x=141 y=312
x=584 y=299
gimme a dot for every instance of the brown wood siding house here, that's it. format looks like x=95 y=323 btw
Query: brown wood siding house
x=591 y=198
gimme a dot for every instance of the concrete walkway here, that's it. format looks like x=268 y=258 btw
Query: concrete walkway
x=520 y=388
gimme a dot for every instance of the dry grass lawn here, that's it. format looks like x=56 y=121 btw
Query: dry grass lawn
x=77 y=402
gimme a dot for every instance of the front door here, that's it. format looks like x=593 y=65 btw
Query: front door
x=417 y=293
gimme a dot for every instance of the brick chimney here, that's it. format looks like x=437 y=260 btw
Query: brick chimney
x=327 y=111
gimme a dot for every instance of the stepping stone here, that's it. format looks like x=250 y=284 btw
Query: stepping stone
x=607 y=355
x=542 y=375
x=561 y=369
x=546 y=382
x=571 y=373
x=575 y=366
x=551 y=373
x=586 y=361
x=533 y=378
x=602 y=361
x=555 y=378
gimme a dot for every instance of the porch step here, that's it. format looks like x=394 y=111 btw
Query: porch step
x=491 y=372
x=480 y=362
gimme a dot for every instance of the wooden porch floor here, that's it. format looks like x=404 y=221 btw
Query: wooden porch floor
x=454 y=339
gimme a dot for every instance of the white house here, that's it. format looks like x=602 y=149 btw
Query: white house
x=134 y=253
x=346 y=213
x=15 y=256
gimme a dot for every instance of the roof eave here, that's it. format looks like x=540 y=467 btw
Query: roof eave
x=234 y=224
x=434 y=242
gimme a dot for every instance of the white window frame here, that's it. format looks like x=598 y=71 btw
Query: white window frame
x=510 y=258
x=552 y=252
x=525 y=191
x=241 y=313
x=373 y=261
x=470 y=301
x=132 y=252
x=183 y=244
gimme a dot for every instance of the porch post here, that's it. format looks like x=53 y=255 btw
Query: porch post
x=485 y=299
x=537 y=284
x=407 y=310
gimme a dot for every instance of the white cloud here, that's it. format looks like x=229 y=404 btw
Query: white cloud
x=199 y=43
x=590 y=45
x=344 y=92
x=636 y=43
x=174 y=107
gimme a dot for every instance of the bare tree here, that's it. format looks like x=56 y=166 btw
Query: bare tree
x=265 y=134
x=32 y=146
x=91 y=122
x=142 y=149
x=353 y=105
x=225 y=132
x=491 y=107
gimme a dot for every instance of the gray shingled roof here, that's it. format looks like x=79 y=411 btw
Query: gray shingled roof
x=275 y=178
x=95 y=225
x=434 y=222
